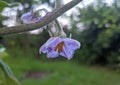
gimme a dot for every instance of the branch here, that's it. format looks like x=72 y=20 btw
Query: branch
x=44 y=21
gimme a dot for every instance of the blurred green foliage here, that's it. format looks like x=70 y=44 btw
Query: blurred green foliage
x=100 y=37
x=4 y=4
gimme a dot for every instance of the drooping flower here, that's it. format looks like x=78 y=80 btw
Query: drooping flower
x=30 y=17
x=56 y=46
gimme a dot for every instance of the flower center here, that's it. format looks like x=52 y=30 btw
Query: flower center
x=59 y=47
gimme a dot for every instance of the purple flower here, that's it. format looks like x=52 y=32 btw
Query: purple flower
x=29 y=18
x=56 y=46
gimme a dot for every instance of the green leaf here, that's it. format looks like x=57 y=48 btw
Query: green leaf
x=3 y=4
x=14 y=4
x=9 y=76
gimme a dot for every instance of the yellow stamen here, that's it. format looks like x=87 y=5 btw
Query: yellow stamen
x=59 y=47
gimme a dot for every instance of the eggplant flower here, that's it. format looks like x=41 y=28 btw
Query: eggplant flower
x=30 y=17
x=56 y=46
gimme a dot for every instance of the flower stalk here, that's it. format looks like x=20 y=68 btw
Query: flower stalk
x=61 y=32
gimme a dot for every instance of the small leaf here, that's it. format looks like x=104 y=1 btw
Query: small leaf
x=3 y=4
x=9 y=76
x=14 y=4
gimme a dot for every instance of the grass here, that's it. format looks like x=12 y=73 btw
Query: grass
x=60 y=72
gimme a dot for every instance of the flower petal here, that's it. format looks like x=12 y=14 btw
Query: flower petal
x=33 y=20
x=53 y=54
x=73 y=44
x=67 y=52
x=28 y=18
x=49 y=45
x=53 y=43
x=70 y=45
x=43 y=48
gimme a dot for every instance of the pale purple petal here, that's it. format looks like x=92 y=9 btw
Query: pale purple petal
x=49 y=45
x=43 y=48
x=28 y=18
x=53 y=54
x=53 y=43
x=73 y=44
x=67 y=52
x=33 y=20
x=70 y=45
